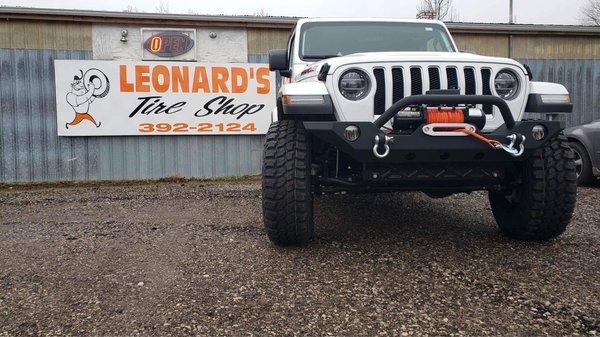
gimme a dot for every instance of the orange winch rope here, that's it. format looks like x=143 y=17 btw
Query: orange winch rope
x=490 y=142
x=445 y=116
x=452 y=115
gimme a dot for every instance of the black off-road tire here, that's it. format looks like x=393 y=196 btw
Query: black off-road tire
x=540 y=208
x=586 y=176
x=287 y=199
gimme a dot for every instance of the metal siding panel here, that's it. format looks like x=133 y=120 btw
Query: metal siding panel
x=35 y=119
x=105 y=157
x=261 y=40
x=79 y=158
x=4 y=34
x=580 y=77
x=219 y=158
x=556 y=47
x=173 y=151
x=7 y=111
x=117 y=158
x=146 y=154
x=257 y=151
x=169 y=156
x=483 y=44
x=209 y=152
x=22 y=116
x=45 y=35
x=2 y=78
x=50 y=153
x=156 y=152
x=197 y=156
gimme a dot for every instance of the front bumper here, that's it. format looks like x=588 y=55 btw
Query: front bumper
x=419 y=147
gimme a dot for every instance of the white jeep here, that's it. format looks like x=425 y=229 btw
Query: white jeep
x=379 y=105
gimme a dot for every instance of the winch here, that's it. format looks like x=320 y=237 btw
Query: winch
x=445 y=121
x=411 y=118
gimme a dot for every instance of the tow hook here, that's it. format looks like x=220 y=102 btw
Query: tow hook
x=516 y=146
x=382 y=142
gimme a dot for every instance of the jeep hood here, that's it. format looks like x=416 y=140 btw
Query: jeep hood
x=417 y=57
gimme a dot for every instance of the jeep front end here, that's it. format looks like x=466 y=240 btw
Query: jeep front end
x=389 y=105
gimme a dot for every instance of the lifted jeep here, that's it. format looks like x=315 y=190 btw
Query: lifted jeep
x=391 y=105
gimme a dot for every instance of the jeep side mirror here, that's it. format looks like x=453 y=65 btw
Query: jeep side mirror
x=278 y=61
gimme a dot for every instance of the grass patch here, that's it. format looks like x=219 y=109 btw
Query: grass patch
x=99 y=183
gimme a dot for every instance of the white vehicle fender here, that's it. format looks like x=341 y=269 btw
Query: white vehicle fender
x=547 y=88
x=308 y=88
x=304 y=89
x=549 y=98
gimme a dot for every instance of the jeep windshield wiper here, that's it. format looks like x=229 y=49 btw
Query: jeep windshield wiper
x=319 y=57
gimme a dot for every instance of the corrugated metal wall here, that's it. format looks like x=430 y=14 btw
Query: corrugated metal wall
x=32 y=151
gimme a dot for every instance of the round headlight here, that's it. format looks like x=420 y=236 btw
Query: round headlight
x=354 y=84
x=507 y=84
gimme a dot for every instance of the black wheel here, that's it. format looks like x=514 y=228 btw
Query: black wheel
x=583 y=165
x=541 y=206
x=286 y=184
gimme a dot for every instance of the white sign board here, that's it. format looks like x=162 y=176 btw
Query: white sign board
x=111 y=98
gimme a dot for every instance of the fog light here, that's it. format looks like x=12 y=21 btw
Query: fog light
x=351 y=133
x=538 y=132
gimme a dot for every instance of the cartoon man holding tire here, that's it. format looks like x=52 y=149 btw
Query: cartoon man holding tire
x=85 y=88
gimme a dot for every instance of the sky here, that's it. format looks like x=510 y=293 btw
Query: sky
x=526 y=11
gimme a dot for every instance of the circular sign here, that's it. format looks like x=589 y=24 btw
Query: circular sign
x=169 y=44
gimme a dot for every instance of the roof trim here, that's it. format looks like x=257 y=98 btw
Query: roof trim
x=177 y=20
x=529 y=29
x=186 y=20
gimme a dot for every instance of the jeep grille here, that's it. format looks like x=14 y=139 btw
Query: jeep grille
x=473 y=84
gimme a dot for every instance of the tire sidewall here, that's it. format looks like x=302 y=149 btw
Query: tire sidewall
x=542 y=204
x=586 y=175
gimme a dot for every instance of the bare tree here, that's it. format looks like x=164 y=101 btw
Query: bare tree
x=162 y=7
x=131 y=9
x=590 y=13
x=437 y=9
x=261 y=12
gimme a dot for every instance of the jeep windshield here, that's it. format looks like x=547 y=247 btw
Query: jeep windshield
x=321 y=40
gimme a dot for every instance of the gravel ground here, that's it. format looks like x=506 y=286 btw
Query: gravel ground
x=192 y=258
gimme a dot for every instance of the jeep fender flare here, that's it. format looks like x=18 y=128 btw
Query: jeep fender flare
x=540 y=92
x=308 y=100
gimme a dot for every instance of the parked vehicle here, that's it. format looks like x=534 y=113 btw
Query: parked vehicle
x=371 y=105
x=585 y=142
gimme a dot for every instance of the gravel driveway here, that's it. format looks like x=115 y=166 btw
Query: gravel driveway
x=192 y=258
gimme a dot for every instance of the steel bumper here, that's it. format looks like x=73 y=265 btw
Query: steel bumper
x=419 y=147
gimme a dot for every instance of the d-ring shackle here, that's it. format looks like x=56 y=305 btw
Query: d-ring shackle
x=385 y=145
x=515 y=151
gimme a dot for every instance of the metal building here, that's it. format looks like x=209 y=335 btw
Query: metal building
x=31 y=39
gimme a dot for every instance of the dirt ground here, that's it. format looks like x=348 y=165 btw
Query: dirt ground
x=192 y=259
